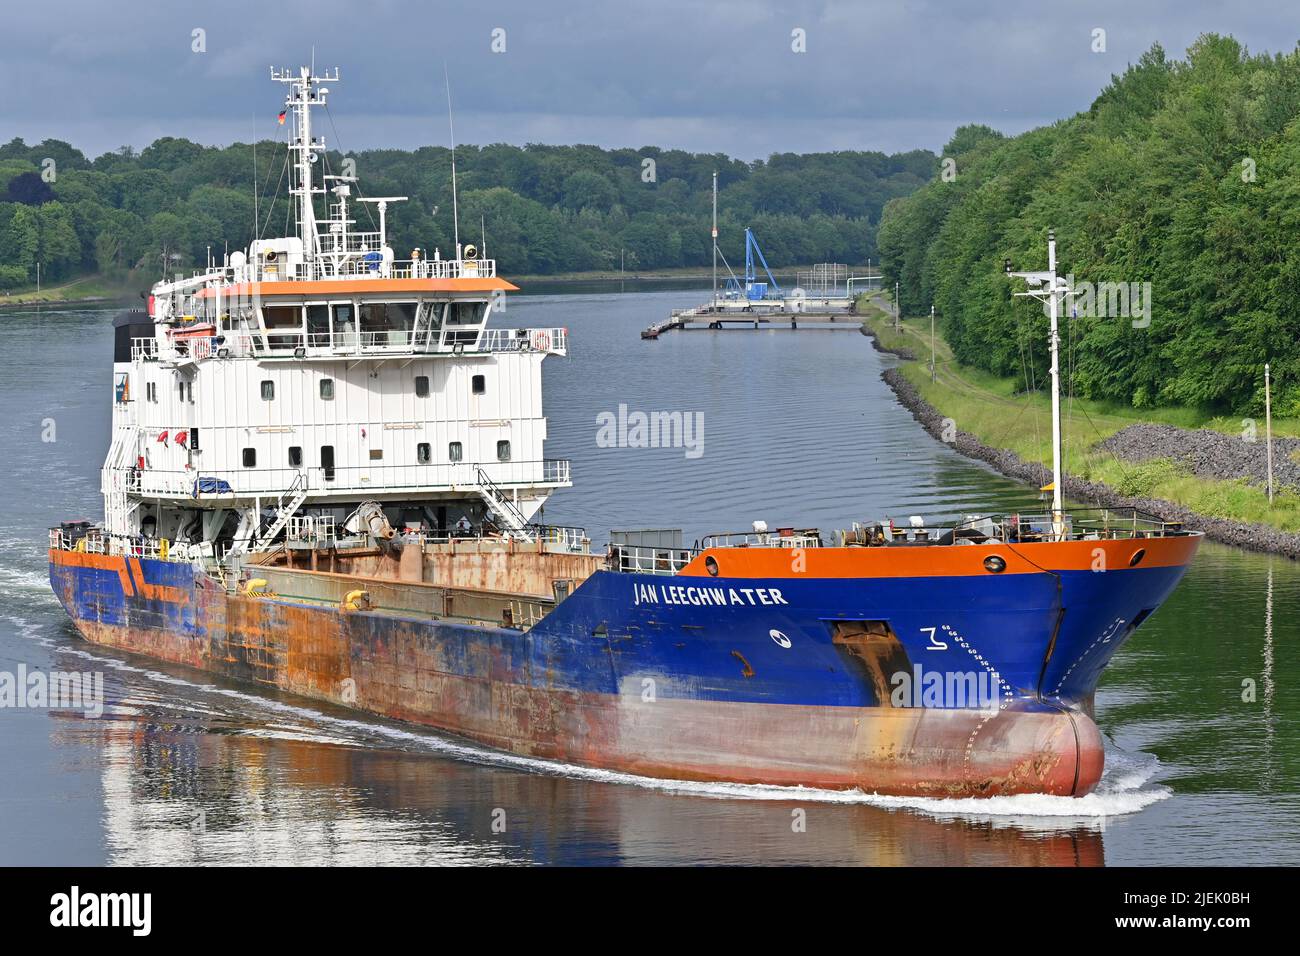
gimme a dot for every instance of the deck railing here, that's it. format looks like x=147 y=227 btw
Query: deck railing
x=1080 y=524
x=640 y=559
x=361 y=260
x=364 y=479
x=297 y=344
x=98 y=541
x=803 y=538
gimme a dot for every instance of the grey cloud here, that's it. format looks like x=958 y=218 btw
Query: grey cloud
x=704 y=76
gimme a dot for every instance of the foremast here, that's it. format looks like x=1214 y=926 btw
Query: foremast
x=1049 y=288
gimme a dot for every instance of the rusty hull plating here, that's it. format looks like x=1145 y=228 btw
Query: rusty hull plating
x=668 y=688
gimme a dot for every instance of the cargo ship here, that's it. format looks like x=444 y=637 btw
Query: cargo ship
x=326 y=477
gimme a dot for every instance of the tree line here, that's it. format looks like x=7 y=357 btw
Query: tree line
x=1183 y=174
x=543 y=209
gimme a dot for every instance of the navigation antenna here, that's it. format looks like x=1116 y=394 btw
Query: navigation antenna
x=451 y=128
x=1047 y=287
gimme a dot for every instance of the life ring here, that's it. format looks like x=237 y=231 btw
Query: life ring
x=541 y=342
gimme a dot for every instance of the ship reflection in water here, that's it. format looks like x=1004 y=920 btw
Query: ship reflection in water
x=225 y=777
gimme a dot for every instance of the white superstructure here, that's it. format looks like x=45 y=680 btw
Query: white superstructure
x=316 y=375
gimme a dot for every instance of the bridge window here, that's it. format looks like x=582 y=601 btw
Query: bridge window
x=421 y=386
x=327 y=389
x=433 y=314
x=466 y=313
x=250 y=457
x=503 y=450
x=478 y=384
x=268 y=390
x=454 y=451
x=345 y=326
x=423 y=453
x=284 y=319
x=318 y=324
x=295 y=456
x=387 y=323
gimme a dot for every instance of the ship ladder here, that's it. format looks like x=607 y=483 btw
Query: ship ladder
x=501 y=505
x=286 y=507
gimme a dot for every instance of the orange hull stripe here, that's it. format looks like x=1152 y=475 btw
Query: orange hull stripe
x=125 y=569
x=107 y=562
x=156 y=592
x=942 y=560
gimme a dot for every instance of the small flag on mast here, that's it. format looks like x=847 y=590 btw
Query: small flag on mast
x=280 y=119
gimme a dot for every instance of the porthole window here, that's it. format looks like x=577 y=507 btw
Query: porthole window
x=454 y=451
x=421 y=386
x=268 y=390
x=423 y=454
x=327 y=389
x=250 y=457
x=295 y=456
x=478 y=384
x=503 y=450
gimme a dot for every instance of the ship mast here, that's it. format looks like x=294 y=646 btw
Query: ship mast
x=714 y=303
x=1047 y=287
x=302 y=96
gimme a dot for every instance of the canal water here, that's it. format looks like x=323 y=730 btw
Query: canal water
x=1200 y=708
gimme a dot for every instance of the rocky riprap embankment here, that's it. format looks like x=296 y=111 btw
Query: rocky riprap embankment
x=1253 y=536
x=1210 y=454
x=870 y=333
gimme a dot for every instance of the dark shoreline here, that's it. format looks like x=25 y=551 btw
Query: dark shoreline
x=1253 y=537
x=94 y=301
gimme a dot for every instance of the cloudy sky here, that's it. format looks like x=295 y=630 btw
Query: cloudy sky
x=704 y=75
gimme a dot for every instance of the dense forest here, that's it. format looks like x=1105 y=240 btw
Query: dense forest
x=1182 y=174
x=543 y=209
